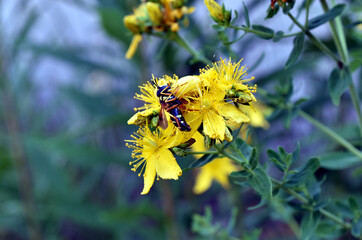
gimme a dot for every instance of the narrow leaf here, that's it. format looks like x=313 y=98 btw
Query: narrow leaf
x=205 y=159
x=267 y=33
x=246 y=15
x=339 y=160
x=327 y=16
x=302 y=175
x=253 y=161
x=297 y=50
x=357 y=228
x=240 y=174
x=338 y=82
x=261 y=183
x=309 y=224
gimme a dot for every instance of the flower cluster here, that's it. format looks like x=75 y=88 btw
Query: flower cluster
x=174 y=110
x=156 y=15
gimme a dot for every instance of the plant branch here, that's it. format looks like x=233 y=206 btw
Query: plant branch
x=304 y=200
x=183 y=43
x=249 y=30
x=332 y=134
x=316 y=41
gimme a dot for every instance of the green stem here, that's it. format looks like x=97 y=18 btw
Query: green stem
x=249 y=30
x=183 y=43
x=316 y=41
x=332 y=134
x=204 y=152
x=356 y=101
x=340 y=42
x=307 y=14
x=304 y=200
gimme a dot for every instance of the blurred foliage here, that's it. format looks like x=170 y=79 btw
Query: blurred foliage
x=64 y=168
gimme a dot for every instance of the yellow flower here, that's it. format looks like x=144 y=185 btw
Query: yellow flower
x=211 y=110
x=151 y=106
x=217 y=12
x=215 y=9
x=218 y=170
x=154 y=12
x=230 y=77
x=257 y=113
x=151 y=151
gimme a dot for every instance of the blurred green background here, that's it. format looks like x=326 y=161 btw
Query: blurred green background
x=66 y=95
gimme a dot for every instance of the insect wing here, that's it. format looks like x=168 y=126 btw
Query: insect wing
x=162 y=119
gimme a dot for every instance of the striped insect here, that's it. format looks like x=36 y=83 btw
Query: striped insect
x=170 y=103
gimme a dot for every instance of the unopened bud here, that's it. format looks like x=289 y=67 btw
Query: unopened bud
x=154 y=13
x=218 y=13
x=131 y=22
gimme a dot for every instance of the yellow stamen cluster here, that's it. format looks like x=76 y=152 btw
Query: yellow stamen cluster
x=207 y=103
x=159 y=16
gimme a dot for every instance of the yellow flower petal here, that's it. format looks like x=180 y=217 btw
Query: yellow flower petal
x=203 y=182
x=232 y=113
x=149 y=175
x=214 y=125
x=166 y=165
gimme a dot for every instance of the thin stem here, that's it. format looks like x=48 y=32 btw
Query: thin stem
x=332 y=134
x=356 y=101
x=315 y=40
x=183 y=43
x=340 y=42
x=307 y=14
x=304 y=200
x=249 y=30
x=203 y=152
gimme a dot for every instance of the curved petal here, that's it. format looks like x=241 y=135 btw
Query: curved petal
x=203 y=181
x=214 y=125
x=149 y=175
x=166 y=165
x=232 y=113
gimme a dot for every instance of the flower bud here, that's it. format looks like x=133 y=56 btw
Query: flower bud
x=131 y=22
x=218 y=13
x=154 y=13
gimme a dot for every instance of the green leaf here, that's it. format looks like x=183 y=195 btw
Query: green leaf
x=327 y=229
x=111 y=19
x=262 y=202
x=240 y=174
x=205 y=159
x=253 y=161
x=339 y=160
x=338 y=82
x=269 y=33
x=297 y=50
x=278 y=36
x=246 y=15
x=276 y=159
x=309 y=224
x=244 y=148
x=327 y=16
x=272 y=12
x=302 y=175
x=288 y=6
x=357 y=227
x=261 y=183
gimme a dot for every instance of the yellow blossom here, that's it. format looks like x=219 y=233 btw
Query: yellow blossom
x=211 y=110
x=215 y=9
x=151 y=151
x=218 y=169
x=131 y=22
x=154 y=12
x=257 y=113
x=230 y=77
x=150 y=107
